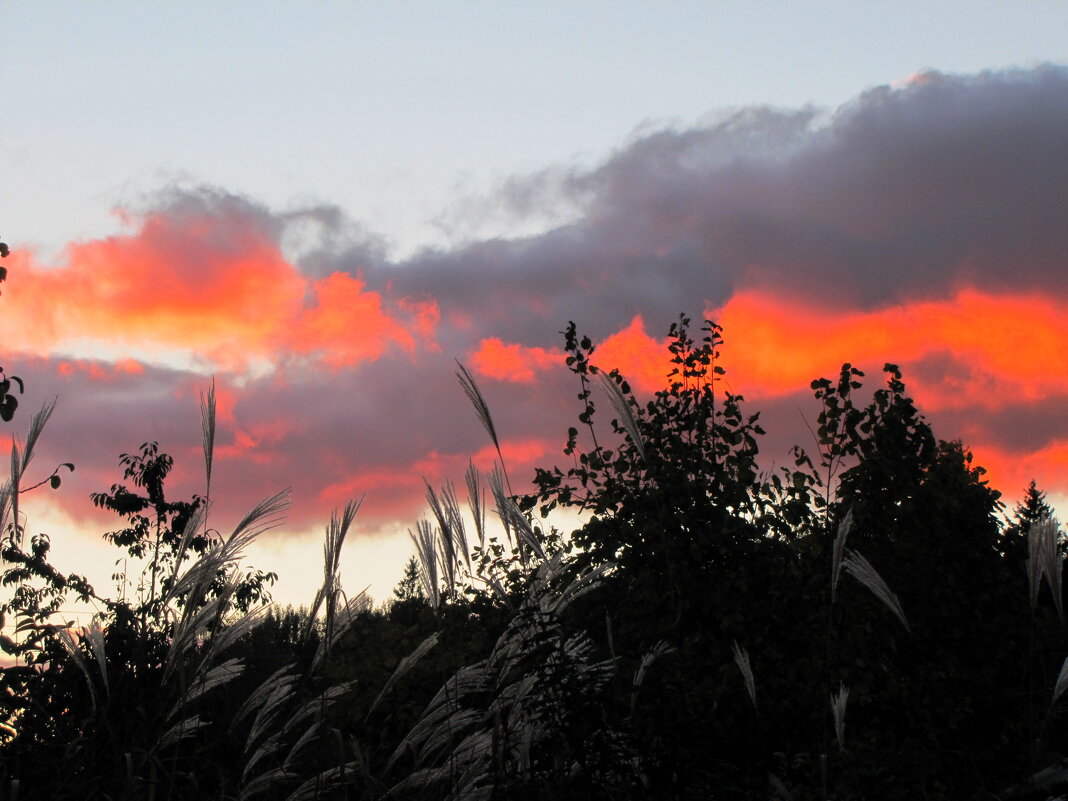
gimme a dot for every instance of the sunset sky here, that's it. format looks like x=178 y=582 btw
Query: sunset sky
x=324 y=204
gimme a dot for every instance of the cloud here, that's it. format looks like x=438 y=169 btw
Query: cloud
x=511 y=362
x=920 y=224
x=204 y=274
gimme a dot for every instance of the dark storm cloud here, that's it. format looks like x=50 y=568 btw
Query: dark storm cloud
x=903 y=192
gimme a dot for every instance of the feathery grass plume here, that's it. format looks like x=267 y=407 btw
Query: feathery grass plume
x=426 y=550
x=5 y=505
x=1044 y=561
x=403 y=667
x=343 y=618
x=207 y=430
x=179 y=731
x=446 y=539
x=309 y=735
x=207 y=681
x=94 y=635
x=37 y=424
x=626 y=413
x=329 y=779
x=579 y=585
x=196 y=582
x=650 y=656
x=838 y=710
x=336 y=532
x=273 y=697
x=267 y=781
x=476 y=501
x=192 y=525
x=313 y=707
x=514 y=519
x=470 y=387
x=279 y=734
x=259 y=699
x=496 y=482
x=861 y=569
x=234 y=630
x=493 y=713
x=445 y=710
x=70 y=645
x=13 y=483
x=190 y=628
x=1062 y=683
x=741 y=659
x=456 y=523
x=778 y=789
x=838 y=552
x=270 y=746
x=1035 y=563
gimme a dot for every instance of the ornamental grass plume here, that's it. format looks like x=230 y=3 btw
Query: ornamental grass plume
x=1044 y=561
x=1062 y=683
x=207 y=430
x=493 y=717
x=622 y=406
x=474 y=394
x=425 y=541
x=514 y=520
x=741 y=659
x=648 y=658
x=859 y=567
x=839 y=701
x=838 y=552
x=476 y=501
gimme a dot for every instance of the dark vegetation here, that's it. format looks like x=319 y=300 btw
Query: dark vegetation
x=869 y=622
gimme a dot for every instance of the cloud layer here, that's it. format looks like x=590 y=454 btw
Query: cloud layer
x=921 y=224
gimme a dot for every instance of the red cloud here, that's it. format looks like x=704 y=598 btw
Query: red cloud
x=510 y=362
x=1012 y=344
x=214 y=286
x=347 y=324
x=96 y=370
x=642 y=359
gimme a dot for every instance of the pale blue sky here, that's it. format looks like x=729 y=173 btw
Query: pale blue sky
x=399 y=111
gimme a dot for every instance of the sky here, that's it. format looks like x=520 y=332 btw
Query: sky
x=323 y=205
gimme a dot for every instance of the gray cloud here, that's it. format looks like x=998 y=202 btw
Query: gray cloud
x=902 y=193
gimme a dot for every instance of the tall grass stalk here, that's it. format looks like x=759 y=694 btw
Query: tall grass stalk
x=838 y=551
x=207 y=431
x=861 y=569
x=476 y=501
x=426 y=550
x=1044 y=562
x=474 y=394
x=838 y=712
x=621 y=404
x=741 y=659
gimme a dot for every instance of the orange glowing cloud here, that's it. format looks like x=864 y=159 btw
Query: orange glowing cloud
x=509 y=362
x=1010 y=345
x=1002 y=347
x=256 y=443
x=216 y=288
x=98 y=371
x=642 y=359
x=970 y=349
x=347 y=324
x=1012 y=472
